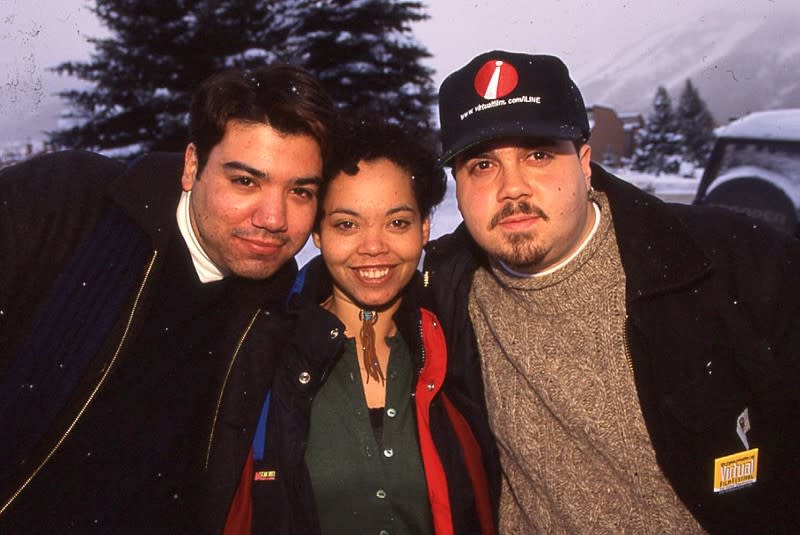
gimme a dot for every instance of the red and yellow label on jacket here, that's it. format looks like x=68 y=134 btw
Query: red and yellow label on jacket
x=735 y=471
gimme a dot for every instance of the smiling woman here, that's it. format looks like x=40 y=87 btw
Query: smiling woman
x=362 y=437
x=371 y=236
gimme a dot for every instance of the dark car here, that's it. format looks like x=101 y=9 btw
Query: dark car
x=755 y=168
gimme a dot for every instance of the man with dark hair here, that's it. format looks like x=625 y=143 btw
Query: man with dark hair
x=640 y=360
x=132 y=311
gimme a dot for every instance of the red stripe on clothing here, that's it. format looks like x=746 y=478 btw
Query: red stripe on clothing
x=240 y=516
x=429 y=382
x=474 y=460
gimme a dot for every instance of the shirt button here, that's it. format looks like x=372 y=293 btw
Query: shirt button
x=431 y=386
x=383 y=532
x=391 y=413
x=388 y=452
x=381 y=494
x=304 y=378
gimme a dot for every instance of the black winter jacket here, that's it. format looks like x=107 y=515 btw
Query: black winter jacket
x=84 y=244
x=713 y=303
x=456 y=478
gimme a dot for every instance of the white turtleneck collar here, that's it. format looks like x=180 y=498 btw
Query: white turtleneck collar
x=206 y=270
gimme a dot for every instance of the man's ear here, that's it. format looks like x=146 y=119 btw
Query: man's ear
x=585 y=155
x=426 y=230
x=189 y=167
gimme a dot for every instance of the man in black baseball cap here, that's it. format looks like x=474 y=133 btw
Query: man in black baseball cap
x=631 y=371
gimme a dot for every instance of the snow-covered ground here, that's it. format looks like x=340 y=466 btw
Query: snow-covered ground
x=673 y=188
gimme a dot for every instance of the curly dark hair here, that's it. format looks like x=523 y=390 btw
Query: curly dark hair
x=368 y=138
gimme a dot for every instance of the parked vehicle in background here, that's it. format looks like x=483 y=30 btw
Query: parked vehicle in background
x=755 y=168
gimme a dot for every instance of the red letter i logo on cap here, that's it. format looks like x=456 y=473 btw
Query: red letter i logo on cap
x=495 y=79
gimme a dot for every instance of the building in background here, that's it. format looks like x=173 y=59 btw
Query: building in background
x=612 y=138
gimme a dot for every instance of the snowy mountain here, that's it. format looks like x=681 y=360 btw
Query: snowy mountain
x=627 y=79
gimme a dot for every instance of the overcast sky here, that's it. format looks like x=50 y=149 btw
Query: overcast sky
x=37 y=34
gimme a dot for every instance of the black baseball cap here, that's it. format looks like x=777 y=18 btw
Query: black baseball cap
x=508 y=94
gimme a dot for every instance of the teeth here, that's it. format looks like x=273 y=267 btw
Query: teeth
x=373 y=273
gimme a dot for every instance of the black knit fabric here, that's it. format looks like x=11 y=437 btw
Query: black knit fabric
x=83 y=305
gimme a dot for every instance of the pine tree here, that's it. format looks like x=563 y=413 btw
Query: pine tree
x=658 y=143
x=696 y=124
x=144 y=74
x=364 y=54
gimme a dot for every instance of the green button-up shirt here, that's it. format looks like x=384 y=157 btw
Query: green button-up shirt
x=359 y=487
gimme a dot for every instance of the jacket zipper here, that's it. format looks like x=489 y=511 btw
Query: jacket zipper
x=225 y=384
x=421 y=347
x=625 y=332
x=94 y=391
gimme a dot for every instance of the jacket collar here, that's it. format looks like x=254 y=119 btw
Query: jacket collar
x=148 y=191
x=657 y=250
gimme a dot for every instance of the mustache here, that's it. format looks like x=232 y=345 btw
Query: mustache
x=511 y=209
x=262 y=235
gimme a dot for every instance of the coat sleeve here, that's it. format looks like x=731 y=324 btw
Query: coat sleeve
x=761 y=270
x=776 y=290
x=766 y=267
x=47 y=204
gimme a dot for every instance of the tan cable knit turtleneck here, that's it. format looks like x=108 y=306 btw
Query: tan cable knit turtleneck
x=575 y=452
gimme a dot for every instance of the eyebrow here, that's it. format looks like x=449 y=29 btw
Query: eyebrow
x=484 y=150
x=308 y=181
x=345 y=211
x=240 y=166
x=403 y=208
x=391 y=211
